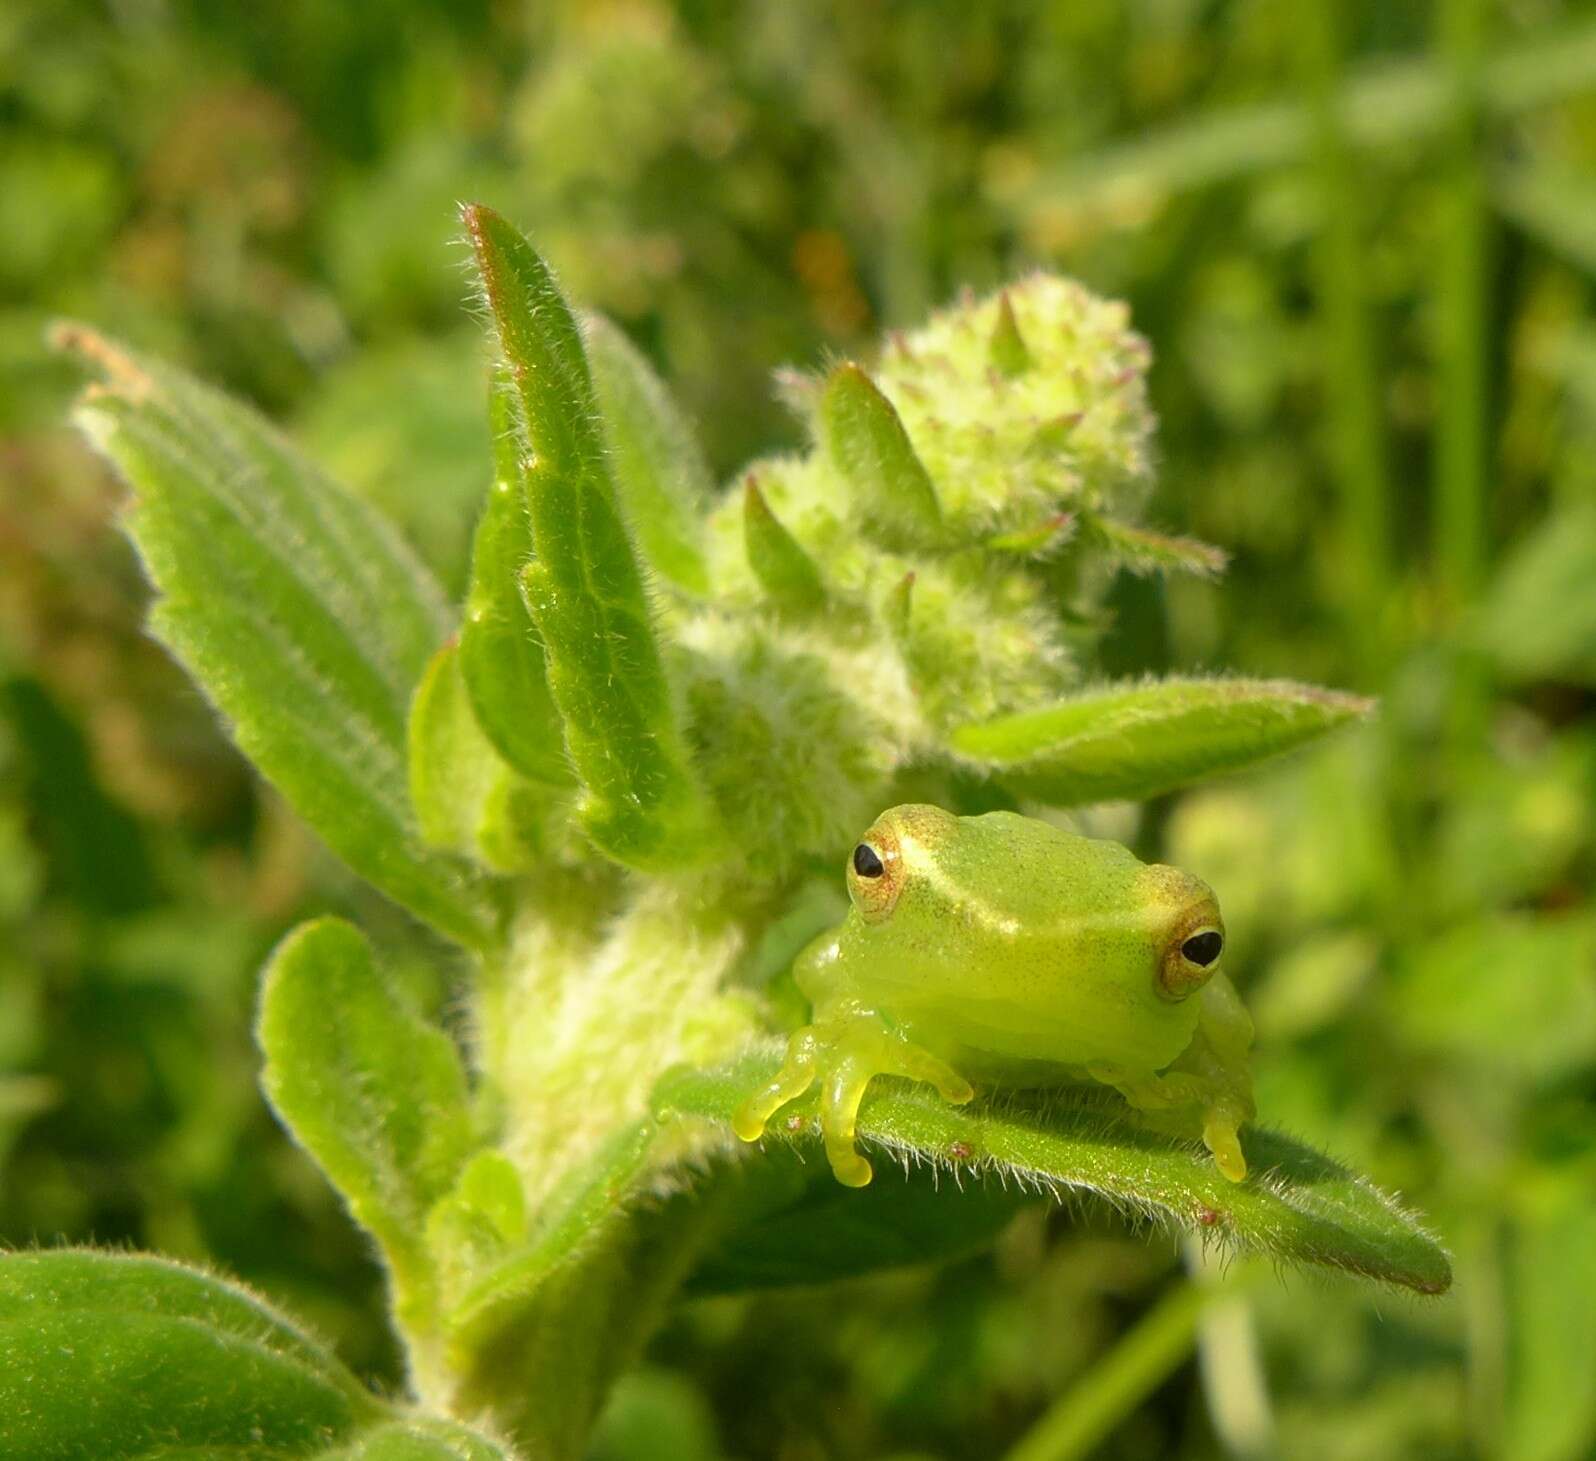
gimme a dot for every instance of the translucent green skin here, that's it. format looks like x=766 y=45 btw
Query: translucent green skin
x=1001 y=949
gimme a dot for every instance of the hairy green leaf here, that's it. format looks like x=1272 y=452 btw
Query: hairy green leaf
x=294 y=605
x=583 y=587
x=115 y=1356
x=106 y=1356
x=785 y=571
x=1131 y=741
x=871 y=451
x=370 y=1089
x=658 y=467
x=500 y=654
x=1296 y=1205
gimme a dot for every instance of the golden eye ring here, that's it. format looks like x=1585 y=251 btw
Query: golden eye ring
x=1191 y=957
x=875 y=873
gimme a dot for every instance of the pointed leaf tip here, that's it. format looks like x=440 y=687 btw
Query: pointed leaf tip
x=1007 y=350
x=871 y=451
x=785 y=571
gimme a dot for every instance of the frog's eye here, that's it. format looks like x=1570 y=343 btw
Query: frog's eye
x=1189 y=960
x=875 y=873
x=867 y=862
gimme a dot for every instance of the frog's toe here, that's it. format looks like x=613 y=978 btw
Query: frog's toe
x=920 y=1065
x=1219 y=1136
x=796 y=1075
x=849 y=1168
x=839 y=1118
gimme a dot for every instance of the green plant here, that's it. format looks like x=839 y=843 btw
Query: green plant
x=619 y=786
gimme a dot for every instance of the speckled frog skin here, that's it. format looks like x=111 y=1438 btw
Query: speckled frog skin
x=1001 y=950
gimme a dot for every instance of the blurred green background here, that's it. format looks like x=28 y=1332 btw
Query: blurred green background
x=1362 y=239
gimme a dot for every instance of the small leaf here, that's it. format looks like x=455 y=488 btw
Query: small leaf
x=1134 y=741
x=663 y=478
x=294 y=605
x=1297 y=1205
x=372 y=1091
x=540 y=1337
x=785 y=571
x=453 y=768
x=500 y=654
x=470 y=1228
x=1007 y=347
x=107 y=1356
x=874 y=456
x=1147 y=552
x=591 y=1198
x=583 y=587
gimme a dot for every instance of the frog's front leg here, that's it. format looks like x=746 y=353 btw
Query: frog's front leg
x=847 y=1052
x=1210 y=1078
x=1177 y=1090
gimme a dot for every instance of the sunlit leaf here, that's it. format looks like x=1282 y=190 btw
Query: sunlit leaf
x=1295 y=1205
x=583 y=584
x=1131 y=741
x=294 y=605
x=375 y=1093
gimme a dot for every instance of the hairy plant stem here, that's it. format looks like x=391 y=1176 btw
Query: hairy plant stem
x=594 y=1001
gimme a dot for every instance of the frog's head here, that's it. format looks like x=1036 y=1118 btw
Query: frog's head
x=919 y=870
x=902 y=849
x=1188 y=930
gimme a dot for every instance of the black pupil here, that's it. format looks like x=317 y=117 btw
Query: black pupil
x=1203 y=948
x=866 y=863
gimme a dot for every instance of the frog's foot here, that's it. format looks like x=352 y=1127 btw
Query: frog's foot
x=1175 y=1090
x=847 y=1054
